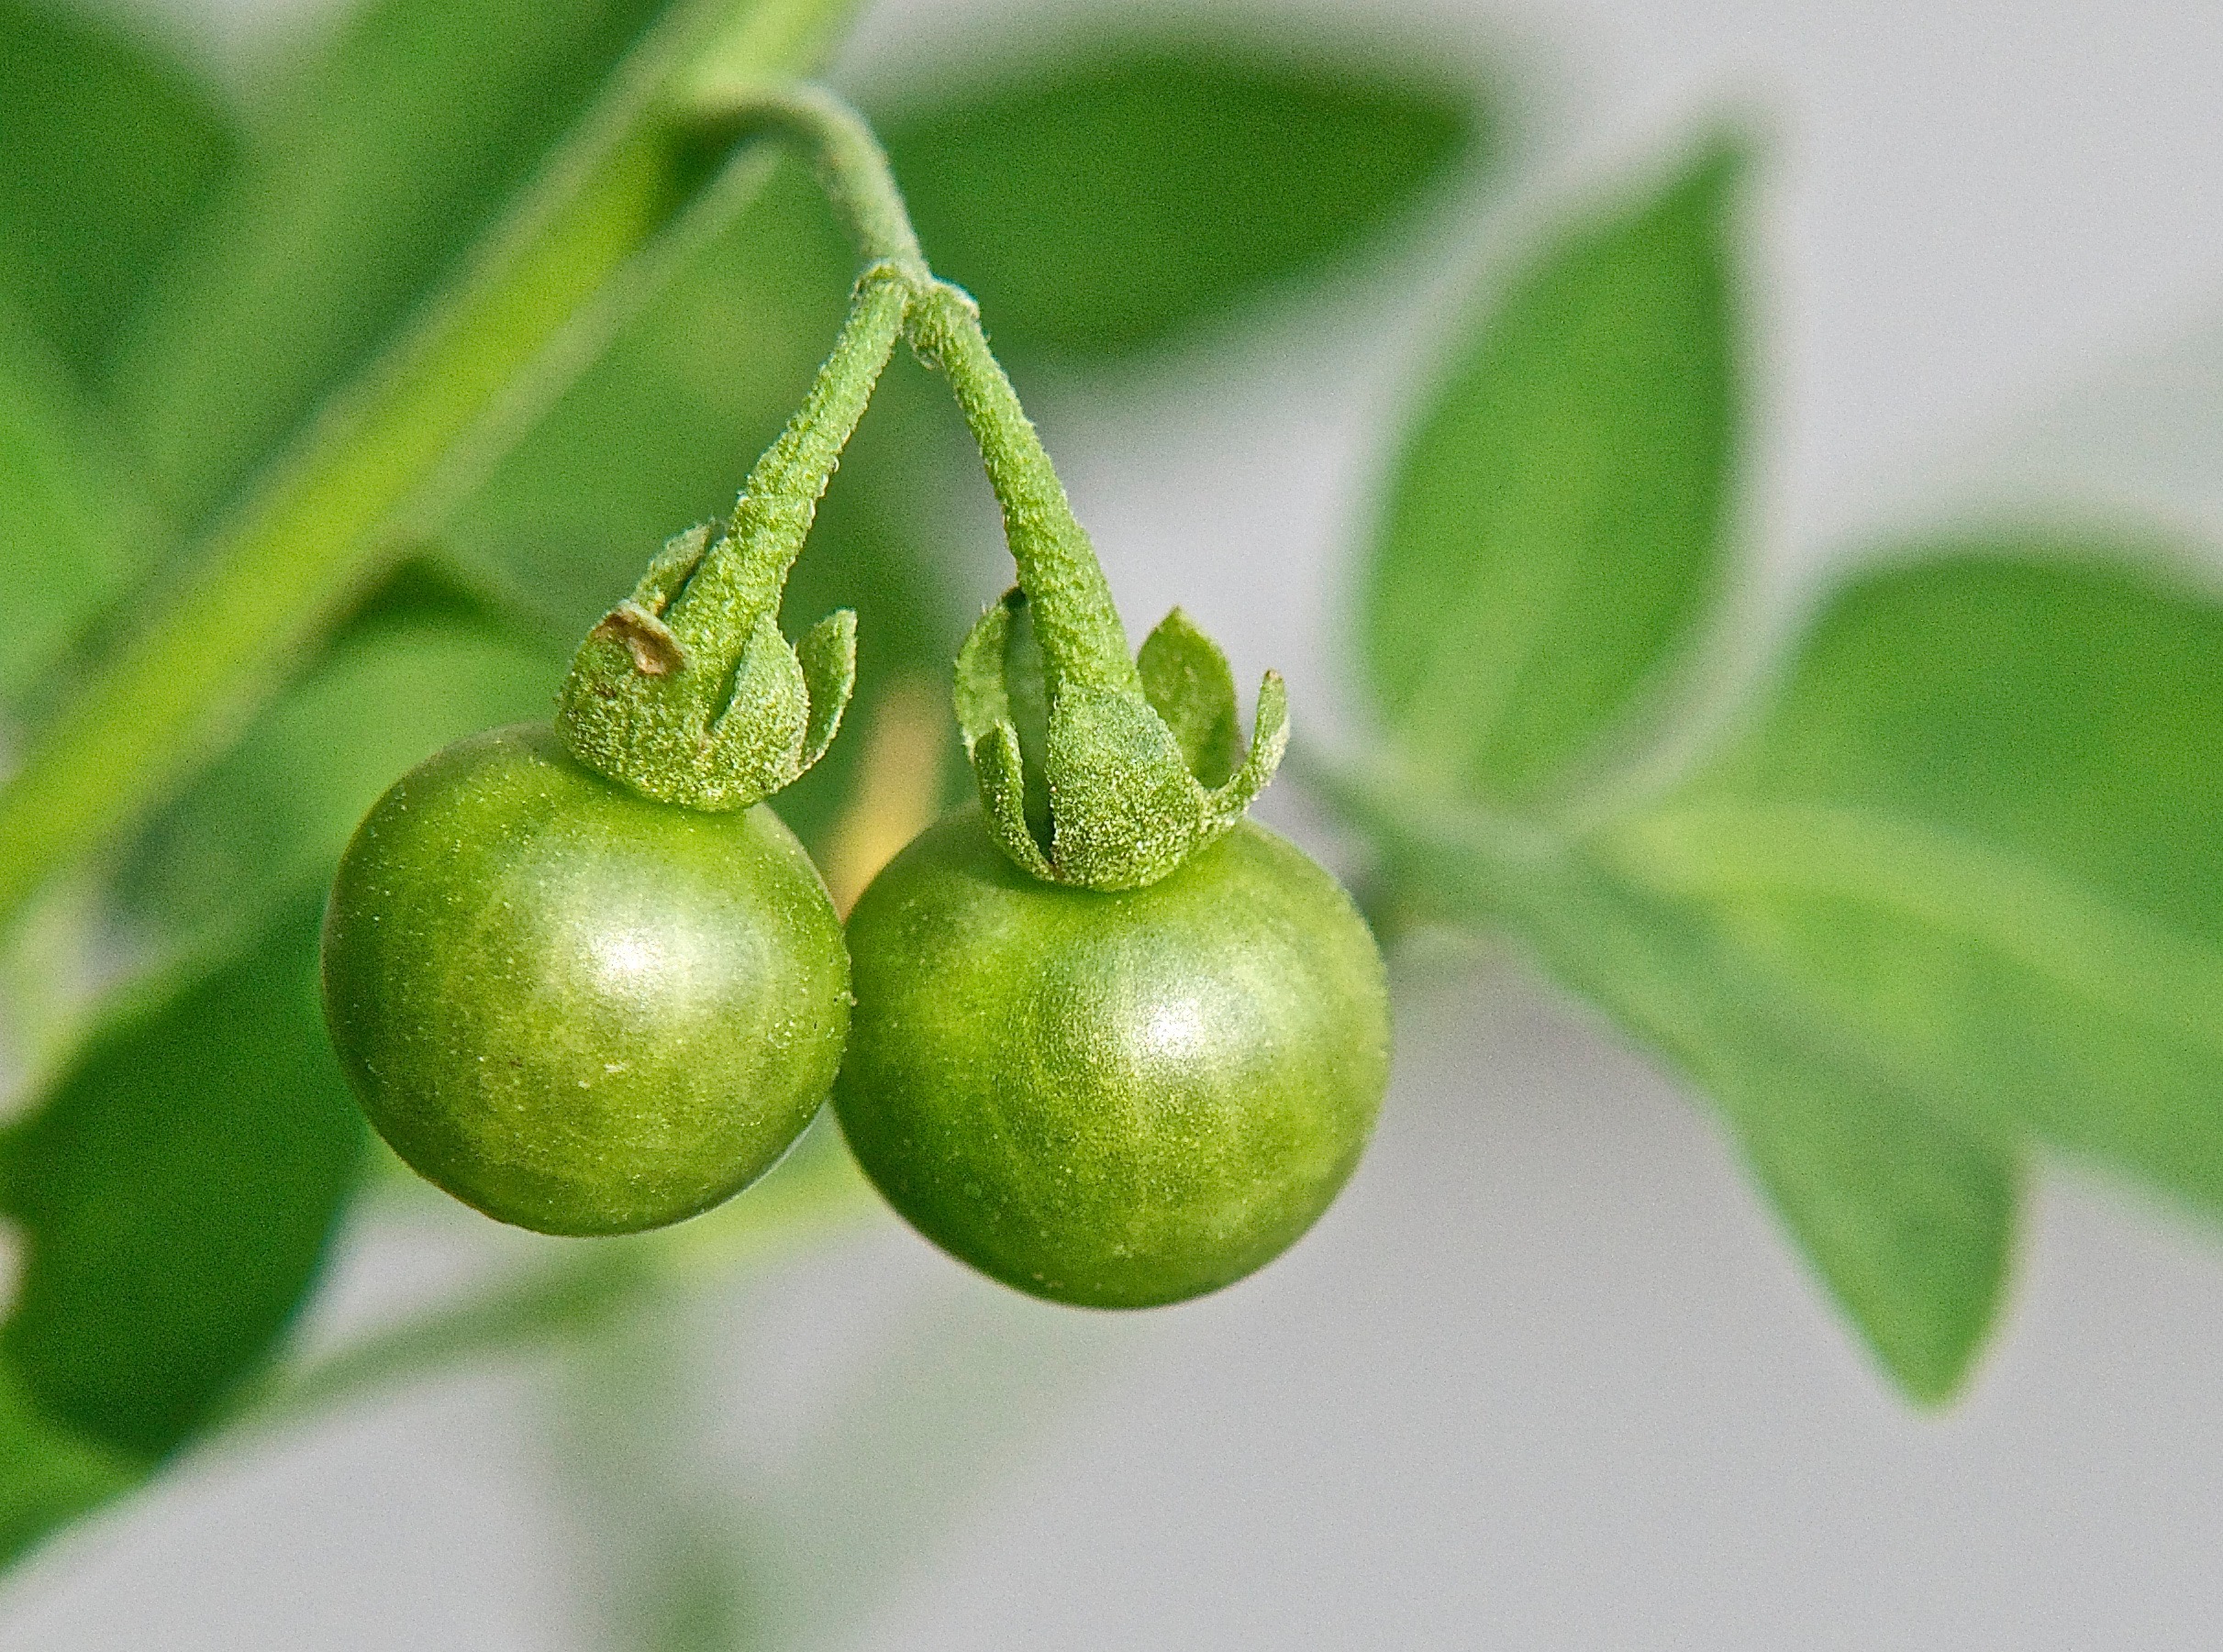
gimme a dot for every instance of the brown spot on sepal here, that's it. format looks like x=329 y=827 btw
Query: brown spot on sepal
x=655 y=651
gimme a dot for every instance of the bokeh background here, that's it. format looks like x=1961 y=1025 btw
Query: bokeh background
x=1546 y=1377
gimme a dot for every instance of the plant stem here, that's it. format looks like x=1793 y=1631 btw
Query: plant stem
x=739 y=581
x=1073 y=613
x=1075 y=618
x=852 y=166
x=582 y=248
x=817 y=1191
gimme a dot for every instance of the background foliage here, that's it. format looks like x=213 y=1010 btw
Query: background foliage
x=1936 y=902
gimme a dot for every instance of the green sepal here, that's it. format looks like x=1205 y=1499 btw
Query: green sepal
x=1137 y=782
x=759 y=731
x=670 y=569
x=1124 y=808
x=654 y=704
x=978 y=689
x=1268 y=742
x=827 y=655
x=997 y=766
x=982 y=695
x=1186 y=679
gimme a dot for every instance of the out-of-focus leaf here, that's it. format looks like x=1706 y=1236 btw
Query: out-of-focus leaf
x=69 y=540
x=1905 y=1212
x=390 y=154
x=1978 y=831
x=1101 y=199
x=105 y=150
x=175 y=1188
x=1905 y=1209
x=1558 y=517
x=660 y=432
x=275 y=813
x=50 y=1474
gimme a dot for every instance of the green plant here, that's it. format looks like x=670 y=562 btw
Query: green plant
x=470 y=943
x=318 y=457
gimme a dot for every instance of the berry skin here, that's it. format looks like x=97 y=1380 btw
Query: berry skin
x=578 y=1010
x=1112 y=1099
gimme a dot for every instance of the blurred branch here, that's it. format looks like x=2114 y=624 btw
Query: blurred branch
x=816 y=1192
x=582 y=251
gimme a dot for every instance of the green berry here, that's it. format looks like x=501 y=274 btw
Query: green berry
x=579 y=1010
x=1112 y=1099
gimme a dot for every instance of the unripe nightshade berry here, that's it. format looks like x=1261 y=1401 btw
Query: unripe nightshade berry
x=1116 y=1099
x=579 y=1010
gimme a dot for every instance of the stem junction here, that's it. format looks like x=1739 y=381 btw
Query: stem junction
x=1095 y=767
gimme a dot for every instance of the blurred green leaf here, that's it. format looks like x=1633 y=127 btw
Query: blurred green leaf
x=1558 y=518
x=175 y=1188
x=69 y=541
x=389 y=153
x=1976 y=831
x=105 y=150
x=1106 y=197
x=275 y=813
x=660 y=432
x=1905 y=1212
x=50 y=1474
x=1905 y=1209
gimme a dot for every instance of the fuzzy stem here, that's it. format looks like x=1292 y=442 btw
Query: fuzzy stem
x=741 y=579
x=851 y=167
x=1074 y=619
x=1074 y=613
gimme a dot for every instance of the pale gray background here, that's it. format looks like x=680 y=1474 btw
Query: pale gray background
x=1544 y=1377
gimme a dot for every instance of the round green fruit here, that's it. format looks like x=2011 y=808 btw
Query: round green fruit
x=581 y=1011
x=1116 y=1100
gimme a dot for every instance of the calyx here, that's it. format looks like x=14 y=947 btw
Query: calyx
x=687 y=691
x=689 y=702
x=1110 y=787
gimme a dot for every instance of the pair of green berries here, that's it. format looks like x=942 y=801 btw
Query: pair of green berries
x=586 y=1011
x=1100 y=1036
